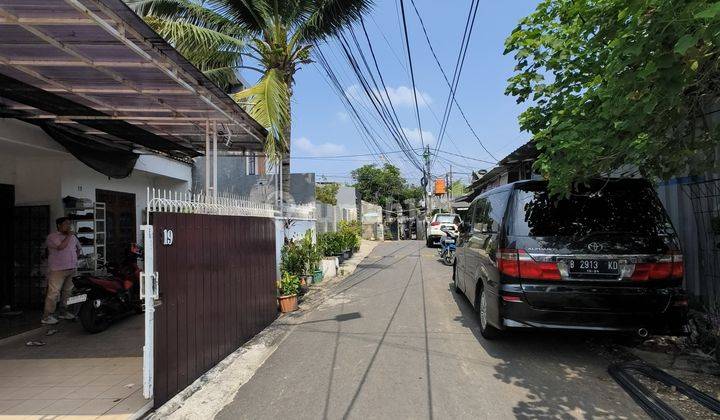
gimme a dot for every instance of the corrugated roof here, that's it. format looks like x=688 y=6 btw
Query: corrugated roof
x=98 y=67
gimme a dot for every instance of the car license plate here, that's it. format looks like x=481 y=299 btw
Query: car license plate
x=77 y=299
x=592 y=266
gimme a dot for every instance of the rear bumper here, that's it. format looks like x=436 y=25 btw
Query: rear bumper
x=670 y=319
x=435 y=238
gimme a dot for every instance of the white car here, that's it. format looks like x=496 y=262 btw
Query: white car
x=433 y=232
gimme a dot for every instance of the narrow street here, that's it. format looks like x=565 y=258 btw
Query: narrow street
x=394 y=341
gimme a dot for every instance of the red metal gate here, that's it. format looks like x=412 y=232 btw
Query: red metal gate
x=217 y=290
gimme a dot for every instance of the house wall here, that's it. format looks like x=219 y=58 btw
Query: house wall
x=80 y=181
x=43 y=172
x=346 y=197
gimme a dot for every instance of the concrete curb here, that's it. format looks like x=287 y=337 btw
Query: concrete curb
x=210 y=393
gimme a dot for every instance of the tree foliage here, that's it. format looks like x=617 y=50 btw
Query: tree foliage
x=617 y=82
x=458 y=188
x=217 y=35
x=384 y=185
x=327 y=193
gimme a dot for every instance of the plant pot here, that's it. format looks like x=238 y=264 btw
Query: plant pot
x=317 y=276
x=346 y=255
x=288 y=303
x=340 y=257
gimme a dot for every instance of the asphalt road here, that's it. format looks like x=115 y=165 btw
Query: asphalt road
x=393 y=341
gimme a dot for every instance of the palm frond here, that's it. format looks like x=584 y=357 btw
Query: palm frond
x=329 y=17
x=208 y=14
x=269 y=104
x=225 y=77
x=254 y=14
x=205 y=48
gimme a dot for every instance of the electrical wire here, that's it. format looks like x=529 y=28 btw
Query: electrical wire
x=412 y=72
x=452 y=91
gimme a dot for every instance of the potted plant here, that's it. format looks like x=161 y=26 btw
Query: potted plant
x=350 y=233
x=332 y=245
x=310 y=256
x=288 y=288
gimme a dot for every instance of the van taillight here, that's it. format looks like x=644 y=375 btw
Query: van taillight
x=518 y=263
x=667 y=267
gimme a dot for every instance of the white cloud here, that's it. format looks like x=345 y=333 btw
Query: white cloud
x=342 y=116
x=304 y=146
x=401 y=96
x=413 y=135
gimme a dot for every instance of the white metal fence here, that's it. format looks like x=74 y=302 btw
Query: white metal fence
x=159 y=200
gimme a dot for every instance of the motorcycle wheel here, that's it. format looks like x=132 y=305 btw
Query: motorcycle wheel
x=91 y=320
x=449 y=258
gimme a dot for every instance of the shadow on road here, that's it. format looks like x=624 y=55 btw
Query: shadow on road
x=553 y=367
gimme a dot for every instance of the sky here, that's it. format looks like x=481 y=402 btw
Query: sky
x=322 y=128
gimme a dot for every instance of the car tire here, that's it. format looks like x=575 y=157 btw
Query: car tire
x=428 y=242
x=486 y=330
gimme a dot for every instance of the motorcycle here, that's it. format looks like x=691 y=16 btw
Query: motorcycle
x=106 y=298
x=448 y=245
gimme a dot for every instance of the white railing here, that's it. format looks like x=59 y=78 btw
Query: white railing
x=159 y=200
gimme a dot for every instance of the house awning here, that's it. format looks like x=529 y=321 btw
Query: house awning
x=94 y=67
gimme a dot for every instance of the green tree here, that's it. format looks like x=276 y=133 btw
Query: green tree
x=384 y=185
x=458 y=188
x=618 y=82
x=327 y=193
x=279 y=35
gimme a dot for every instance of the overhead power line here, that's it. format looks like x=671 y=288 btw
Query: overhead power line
x=350 y=156
x=412 y=72
x=460 y=61
x=447 y=81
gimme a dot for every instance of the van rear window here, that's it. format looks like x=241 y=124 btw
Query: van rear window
x=616 y=207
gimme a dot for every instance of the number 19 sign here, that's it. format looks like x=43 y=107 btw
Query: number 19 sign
x=167 y=237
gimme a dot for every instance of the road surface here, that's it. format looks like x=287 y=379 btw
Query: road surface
x=393 y=341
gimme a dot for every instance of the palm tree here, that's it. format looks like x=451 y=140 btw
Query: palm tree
x=217 y=35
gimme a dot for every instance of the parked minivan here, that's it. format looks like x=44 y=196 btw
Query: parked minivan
x=607 y=258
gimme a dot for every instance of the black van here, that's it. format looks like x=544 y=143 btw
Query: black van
x=607 y=258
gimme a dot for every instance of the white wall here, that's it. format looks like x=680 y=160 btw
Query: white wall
x=80 y=181
x=43 y=172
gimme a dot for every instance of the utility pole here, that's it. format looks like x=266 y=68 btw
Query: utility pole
x=450 y=192
x=426 y=155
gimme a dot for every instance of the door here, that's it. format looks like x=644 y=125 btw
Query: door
x=461 y=252
x=119 y=222
x=31 y=227
x=7 y=208
x=483 y=244
x=477 y=239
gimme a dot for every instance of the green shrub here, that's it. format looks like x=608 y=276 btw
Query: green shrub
x=330 y=243
x=288 y=285
x=300 y=257
x=292 y=260
x=311 y=254
x=350 y=233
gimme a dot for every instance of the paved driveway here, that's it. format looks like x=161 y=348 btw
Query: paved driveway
x=394 y=341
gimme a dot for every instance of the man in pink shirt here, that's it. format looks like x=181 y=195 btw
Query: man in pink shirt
x=63 y=252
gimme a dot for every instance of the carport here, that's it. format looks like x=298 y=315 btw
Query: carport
x=98 y=81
